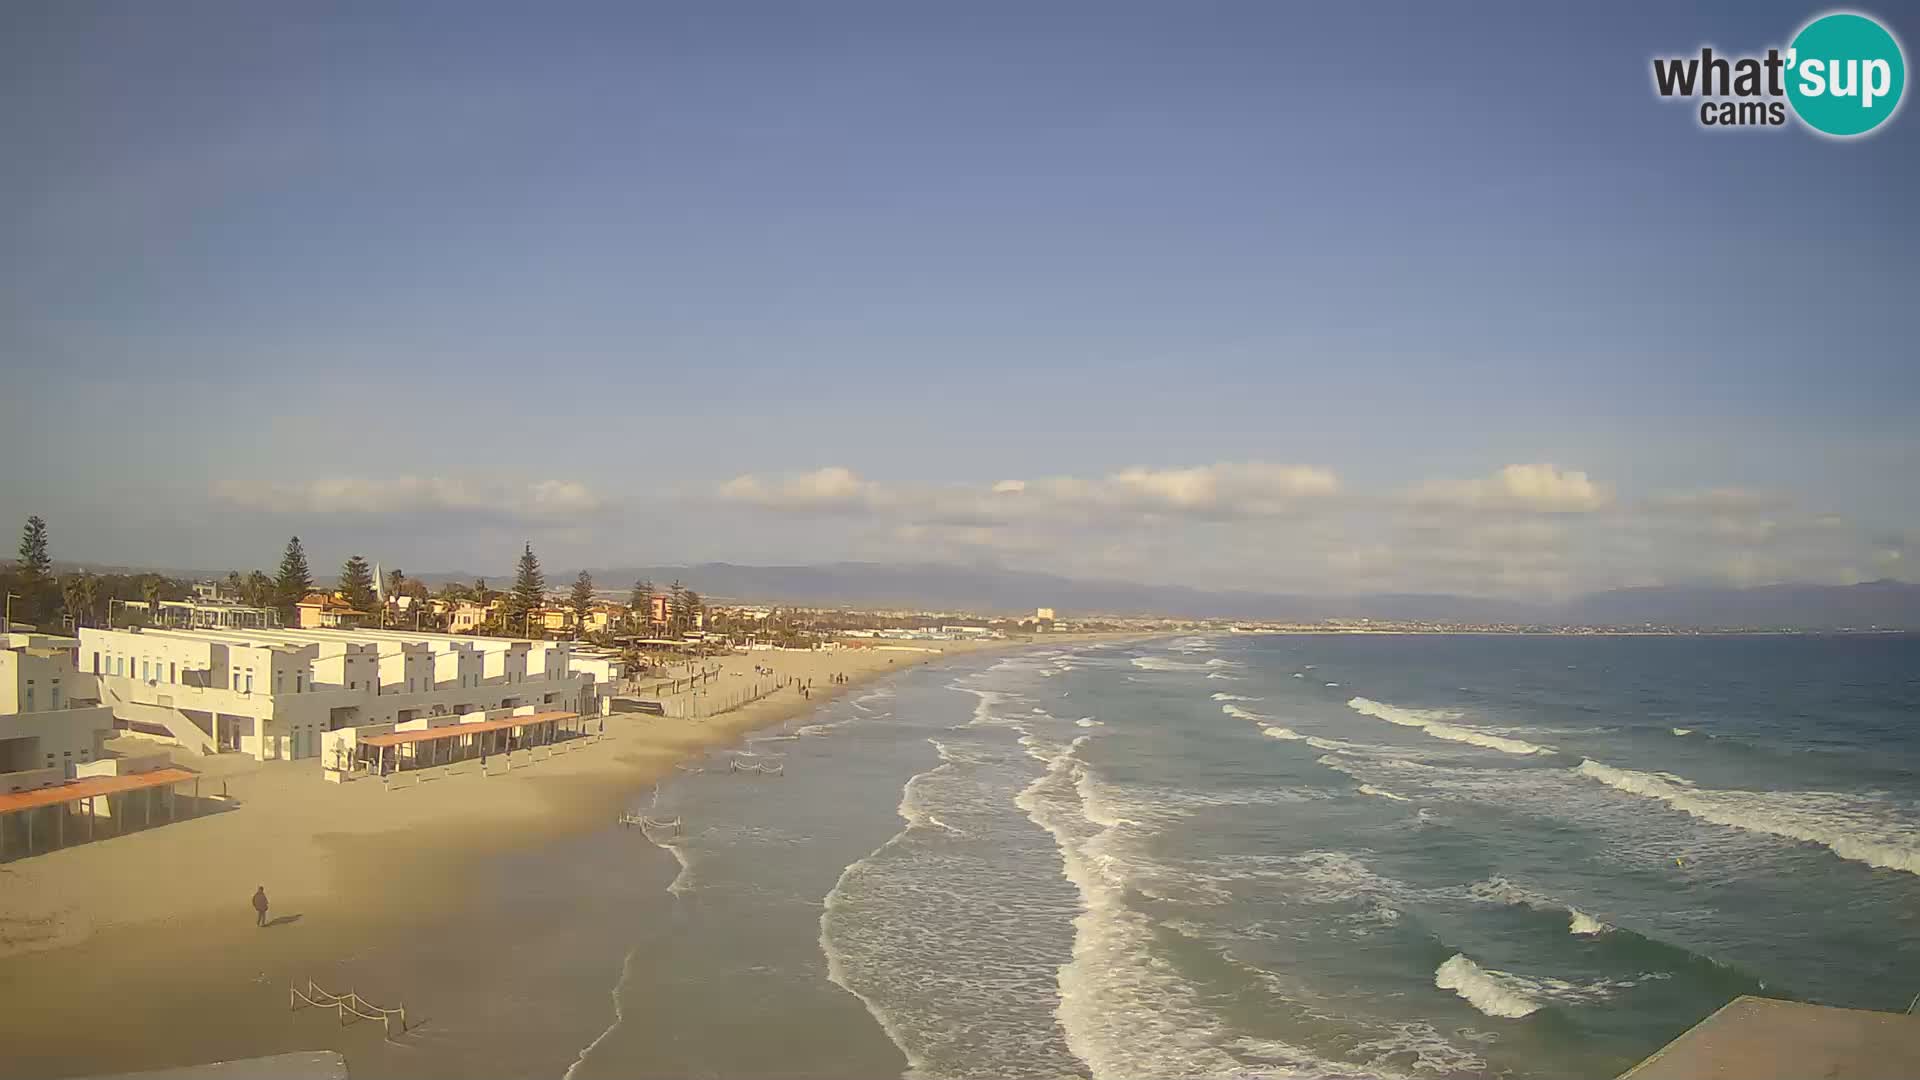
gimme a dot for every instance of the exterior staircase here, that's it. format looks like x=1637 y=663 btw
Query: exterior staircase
x=178 y=724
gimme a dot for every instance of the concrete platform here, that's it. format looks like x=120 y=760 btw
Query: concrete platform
x=1754 y=1038
x=303 y=1065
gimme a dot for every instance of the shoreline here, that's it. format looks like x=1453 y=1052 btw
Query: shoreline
x=159 y=917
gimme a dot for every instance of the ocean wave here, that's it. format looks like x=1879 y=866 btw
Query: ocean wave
x=1333 y=684
x=1126 y=1012
x=1683 y=731
x=1299 y=675
x=1159 y=663
x=1242 y=714
x=1235 y=697
x=1492 y=992
x=1224 y=676
x=1275 y=731
x=1088 y=721
x=1512 y=996
x=1852 y=827
x=1501 y=891
x=1434 y=723
x=1369 y=789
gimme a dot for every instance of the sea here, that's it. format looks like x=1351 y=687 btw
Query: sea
x=1241 y=855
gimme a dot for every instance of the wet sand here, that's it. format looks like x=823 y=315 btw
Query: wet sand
x=141 y=951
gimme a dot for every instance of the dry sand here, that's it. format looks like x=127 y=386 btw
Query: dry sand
x=158 y=921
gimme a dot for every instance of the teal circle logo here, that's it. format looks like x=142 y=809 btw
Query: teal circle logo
x=1845 y=74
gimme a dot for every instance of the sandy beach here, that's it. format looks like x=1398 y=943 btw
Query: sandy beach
x=155 y=929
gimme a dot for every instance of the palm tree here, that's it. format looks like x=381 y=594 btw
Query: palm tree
x=150 y=588
x=72 y=596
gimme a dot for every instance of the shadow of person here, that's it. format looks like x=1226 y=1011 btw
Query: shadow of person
x=283 y=920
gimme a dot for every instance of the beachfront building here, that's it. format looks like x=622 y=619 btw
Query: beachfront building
x=321 y=611
x=50 y=723
x=273 y=694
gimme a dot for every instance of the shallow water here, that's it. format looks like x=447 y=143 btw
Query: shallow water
x=1472 y=855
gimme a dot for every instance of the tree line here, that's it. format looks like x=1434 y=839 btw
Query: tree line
x=37 y=596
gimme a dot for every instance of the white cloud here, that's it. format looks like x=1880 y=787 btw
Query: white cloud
x=823 y=490
x=415 y=494
x=1540 y=487
x=1254 y=487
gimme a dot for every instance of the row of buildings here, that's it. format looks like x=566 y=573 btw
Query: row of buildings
x=272 y=693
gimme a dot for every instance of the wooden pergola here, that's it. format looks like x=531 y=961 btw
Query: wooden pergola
x=429 y=747
x=149 y=791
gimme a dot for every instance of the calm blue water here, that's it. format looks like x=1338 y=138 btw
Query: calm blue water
x=1302 y=855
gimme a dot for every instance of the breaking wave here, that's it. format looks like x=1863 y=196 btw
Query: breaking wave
x=1434 y=723
x=1852 y=827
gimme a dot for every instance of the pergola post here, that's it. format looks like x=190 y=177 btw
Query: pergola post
x=90 y=816
x=60 y=825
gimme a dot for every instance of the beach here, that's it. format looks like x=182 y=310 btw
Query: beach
x=152 y=933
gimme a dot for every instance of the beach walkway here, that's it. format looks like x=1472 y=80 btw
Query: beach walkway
x=1753 y=1038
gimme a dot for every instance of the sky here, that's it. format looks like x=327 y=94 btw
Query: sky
x=1236 y=295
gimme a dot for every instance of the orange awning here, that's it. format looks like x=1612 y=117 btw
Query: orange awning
x=454 y=731
x=88 y=787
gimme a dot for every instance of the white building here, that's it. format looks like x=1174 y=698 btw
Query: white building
x=50 y=725
x=274 y=693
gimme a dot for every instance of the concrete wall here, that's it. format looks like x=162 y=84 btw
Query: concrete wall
x=56 y=741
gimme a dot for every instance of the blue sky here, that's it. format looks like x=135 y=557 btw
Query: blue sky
x=623 y=279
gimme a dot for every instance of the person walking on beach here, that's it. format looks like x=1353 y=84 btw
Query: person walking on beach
x=260 y=906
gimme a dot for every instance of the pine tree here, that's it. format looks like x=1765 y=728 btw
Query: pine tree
x=295 y=580
x=356 y=581
x=529 y=588
x=694 y=607
x=396 y=584
x=643 y=602
x=33 y=576
x=581 y=599
x=676 y=609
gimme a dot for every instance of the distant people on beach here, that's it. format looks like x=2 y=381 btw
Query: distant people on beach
x=260 y=906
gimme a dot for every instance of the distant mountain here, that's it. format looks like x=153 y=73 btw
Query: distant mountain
x=942 y=587
x=1883 y=604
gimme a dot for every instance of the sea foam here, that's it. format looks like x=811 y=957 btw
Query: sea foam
x=1852 y=827
x=1434 y=723
x=1492 y=992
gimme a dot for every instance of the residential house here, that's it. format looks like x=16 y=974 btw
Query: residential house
x=324 y=611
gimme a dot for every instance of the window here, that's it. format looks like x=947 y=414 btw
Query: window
x=173 y=672
x=249 y=682
x=56 y=697
x=29 y=707
x=96 y=663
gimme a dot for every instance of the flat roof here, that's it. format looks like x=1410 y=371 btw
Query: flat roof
x=90 y=786
x=1754 y=1038
x=452 y=731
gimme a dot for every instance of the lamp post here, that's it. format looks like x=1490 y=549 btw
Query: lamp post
x=11 y=597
